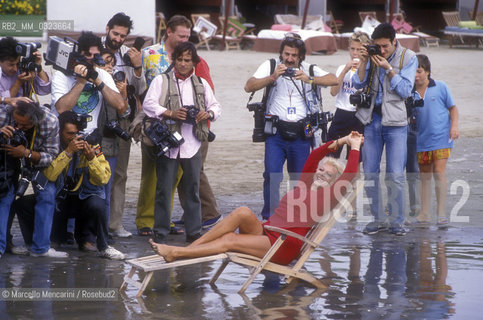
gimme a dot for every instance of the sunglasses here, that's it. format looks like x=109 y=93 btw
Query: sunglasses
x=293 y=38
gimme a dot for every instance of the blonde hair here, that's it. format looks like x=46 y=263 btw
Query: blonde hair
x=336 y=163
x=361 y=37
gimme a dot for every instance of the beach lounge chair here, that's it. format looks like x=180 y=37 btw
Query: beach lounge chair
x=463 y=30
x=204 y=29
x=312 y=240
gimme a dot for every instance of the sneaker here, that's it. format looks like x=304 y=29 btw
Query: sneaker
x=113 y=254
x=211 y=222
x=19 y=250
x=51 y=253
x=397 y=230
x=88 y=247
x=121 y=232
x=374 y=227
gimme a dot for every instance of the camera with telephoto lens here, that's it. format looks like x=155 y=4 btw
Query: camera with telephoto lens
x=373 y=49
x=191 y=113
x=116 y=128
x=119 y=76
x=161 y=137
x=318 y=120
x=26 y=51
x=290 y=72
x=361 y=100
x=258 y=109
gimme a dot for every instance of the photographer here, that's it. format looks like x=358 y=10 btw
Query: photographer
x=345 y=120
x=289 y=85
x=30 y=137
x=14 y=80
x=128 y=65
x=157 y=60
x=188 y=105
x=91 y=89
x=386 y=73
x=80 y=172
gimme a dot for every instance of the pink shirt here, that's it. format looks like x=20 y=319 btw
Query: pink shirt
x=153 y=109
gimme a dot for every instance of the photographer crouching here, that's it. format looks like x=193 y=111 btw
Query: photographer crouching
x=185 y=107
x=30 y=141
x=21 y=73
x=289 y=86
x=386 y=74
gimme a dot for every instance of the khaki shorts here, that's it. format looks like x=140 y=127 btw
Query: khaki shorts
x=427 y=157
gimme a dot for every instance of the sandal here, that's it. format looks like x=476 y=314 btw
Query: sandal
x=145 y=232
x=176 y=230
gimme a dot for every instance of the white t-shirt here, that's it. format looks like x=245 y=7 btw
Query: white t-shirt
x=90 y=100
x=342 y=98
x=285 y=100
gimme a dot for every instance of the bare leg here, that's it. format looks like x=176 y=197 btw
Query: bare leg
x=256 y=245
x=439 y=172
x=425 y=171
x=241 y=218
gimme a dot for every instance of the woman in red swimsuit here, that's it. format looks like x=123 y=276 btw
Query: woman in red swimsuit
x=295 y=212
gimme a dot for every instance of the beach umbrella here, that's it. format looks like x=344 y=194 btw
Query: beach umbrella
x=306 y=9
x=475 y=9
x=227 y=12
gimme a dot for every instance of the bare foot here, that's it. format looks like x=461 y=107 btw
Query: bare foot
x=163 y=250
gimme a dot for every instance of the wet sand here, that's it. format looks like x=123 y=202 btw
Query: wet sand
x=234 y=168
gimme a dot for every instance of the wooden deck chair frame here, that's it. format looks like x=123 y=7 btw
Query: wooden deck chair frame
x=161 y=26
x=335 y=25
x=201 y=41
x=313 y=239
x=364 y=14
x=231 y=42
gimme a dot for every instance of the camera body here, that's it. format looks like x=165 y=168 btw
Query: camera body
x=116 y=128
x=18 y=138
x=26 y=51
x=162 y=138
x=373 y=49
x=411 y=104
x=290 y=72
x=191 y=113
x=258 y=109
x=361 y=100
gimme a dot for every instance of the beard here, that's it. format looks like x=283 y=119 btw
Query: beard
x=111 y=45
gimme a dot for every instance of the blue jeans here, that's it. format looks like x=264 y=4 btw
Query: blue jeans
x=44 y=213
x=376 y=136
x=112 y=164
x=5 y=203
x=277 y=150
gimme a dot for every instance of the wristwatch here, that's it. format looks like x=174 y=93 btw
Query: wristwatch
x=389 y=70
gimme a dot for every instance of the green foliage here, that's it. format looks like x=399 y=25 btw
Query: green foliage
x=18 y=7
